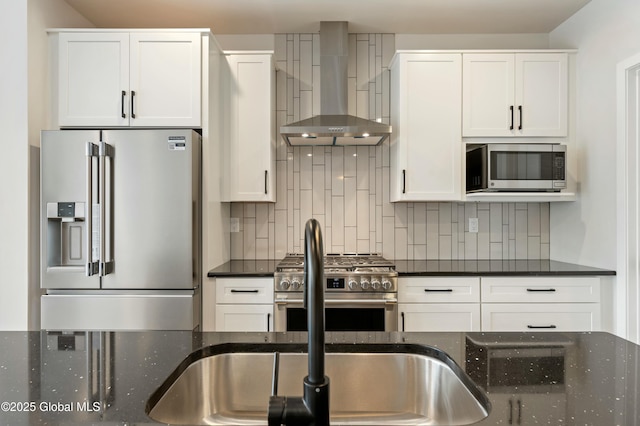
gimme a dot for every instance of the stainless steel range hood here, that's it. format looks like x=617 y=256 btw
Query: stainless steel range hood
x=334 y=126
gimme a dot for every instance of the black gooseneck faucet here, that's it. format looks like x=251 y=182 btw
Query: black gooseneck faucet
x=313 y=407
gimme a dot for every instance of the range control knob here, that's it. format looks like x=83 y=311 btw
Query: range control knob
x=364 y=283
x=295 y=284
x=375 y=283
x=284 y=284
x=353 y=284
x=386 y=284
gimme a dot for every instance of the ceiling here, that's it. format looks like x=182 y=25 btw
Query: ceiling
x=364 y=16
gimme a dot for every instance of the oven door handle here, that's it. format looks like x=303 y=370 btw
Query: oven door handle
x=342 y=301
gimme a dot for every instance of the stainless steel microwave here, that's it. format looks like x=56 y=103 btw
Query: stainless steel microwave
x=516 y=167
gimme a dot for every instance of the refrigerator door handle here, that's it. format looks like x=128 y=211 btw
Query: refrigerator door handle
x=91 y=266
x=105 y=259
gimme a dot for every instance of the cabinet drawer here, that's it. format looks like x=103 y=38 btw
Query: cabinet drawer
x=541 y=317
x=439 y=290
x=541 y=289
x=439 y=317
x=244 y=290
x=244 y=318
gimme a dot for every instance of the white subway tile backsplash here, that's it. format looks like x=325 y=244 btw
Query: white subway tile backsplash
x=349 y=194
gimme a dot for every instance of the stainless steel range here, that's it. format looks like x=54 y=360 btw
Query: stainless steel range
x=361 y=293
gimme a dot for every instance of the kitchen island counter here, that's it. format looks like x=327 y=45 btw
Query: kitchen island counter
x=95 y=377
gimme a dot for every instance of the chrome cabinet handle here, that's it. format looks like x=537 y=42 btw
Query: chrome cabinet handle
x=541 y=290
x=268 y=322
x=266 y=180
x=402 y=317
x=438 y=290
x=541 y=326
x=233 y=290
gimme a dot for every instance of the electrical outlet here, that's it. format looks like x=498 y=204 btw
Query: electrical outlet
x=473 y=224
x=235 y=224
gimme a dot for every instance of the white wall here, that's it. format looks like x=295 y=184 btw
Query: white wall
x=14 y=167
x=604 y=32
x=22 y=115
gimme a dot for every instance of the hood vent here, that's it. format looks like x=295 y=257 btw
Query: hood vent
x=334 y=126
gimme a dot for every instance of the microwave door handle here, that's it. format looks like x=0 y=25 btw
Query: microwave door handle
x=92 y=152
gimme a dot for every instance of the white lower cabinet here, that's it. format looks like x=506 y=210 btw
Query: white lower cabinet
x=439 y=304
x=540 y=317
x=529 y=408
x=540 y=303
x=242 y=304
x=244 y=318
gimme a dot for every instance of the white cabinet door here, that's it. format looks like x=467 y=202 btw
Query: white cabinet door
x=488 y=95
x=244 y=318
x=252 y=291
x=439 y=317
x=521 y=94
x=426 y=143
x=541 y=94
x=93 y=79
x=165 y=79
x=541 y=289
x=142 y=79
x=540 y=317
x=439 y=290
x=251 y=165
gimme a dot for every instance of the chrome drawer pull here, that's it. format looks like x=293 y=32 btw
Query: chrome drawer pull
x=438 y=290
x=542 y=290
x=541 y=326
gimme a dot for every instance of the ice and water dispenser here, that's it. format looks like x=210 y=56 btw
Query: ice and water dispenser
x=66 y=234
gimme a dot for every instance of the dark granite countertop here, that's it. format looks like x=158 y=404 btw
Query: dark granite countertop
x=565 y=378
x=266 y=267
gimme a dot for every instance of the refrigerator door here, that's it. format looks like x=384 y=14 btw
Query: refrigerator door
x=151 y=216
x=68 y=197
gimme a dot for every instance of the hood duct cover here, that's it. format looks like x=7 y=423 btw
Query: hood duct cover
x=334 y=126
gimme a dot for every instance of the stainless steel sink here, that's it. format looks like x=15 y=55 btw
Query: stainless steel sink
x=371 y=384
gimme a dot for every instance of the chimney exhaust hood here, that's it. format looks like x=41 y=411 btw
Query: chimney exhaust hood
x=334 y=126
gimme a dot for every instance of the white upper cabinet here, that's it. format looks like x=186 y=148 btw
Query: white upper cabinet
x=142 y=79
x=426 y=143
x=250 y=168
x=165 y=79
x=93 y=79
x=515 y=94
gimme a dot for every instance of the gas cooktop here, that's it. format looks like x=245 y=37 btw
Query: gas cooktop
x=294 y=262
x=344 y=272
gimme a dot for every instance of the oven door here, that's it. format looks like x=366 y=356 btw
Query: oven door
x=343 y=312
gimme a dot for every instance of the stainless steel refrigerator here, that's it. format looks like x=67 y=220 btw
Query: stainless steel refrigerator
x=120 y=229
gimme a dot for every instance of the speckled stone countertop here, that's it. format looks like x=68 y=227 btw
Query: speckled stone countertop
x=265 y=268
x=107 y=377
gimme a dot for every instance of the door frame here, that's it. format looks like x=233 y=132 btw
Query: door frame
x=627 y=300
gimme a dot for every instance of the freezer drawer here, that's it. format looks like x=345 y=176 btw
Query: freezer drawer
x=117 y=312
